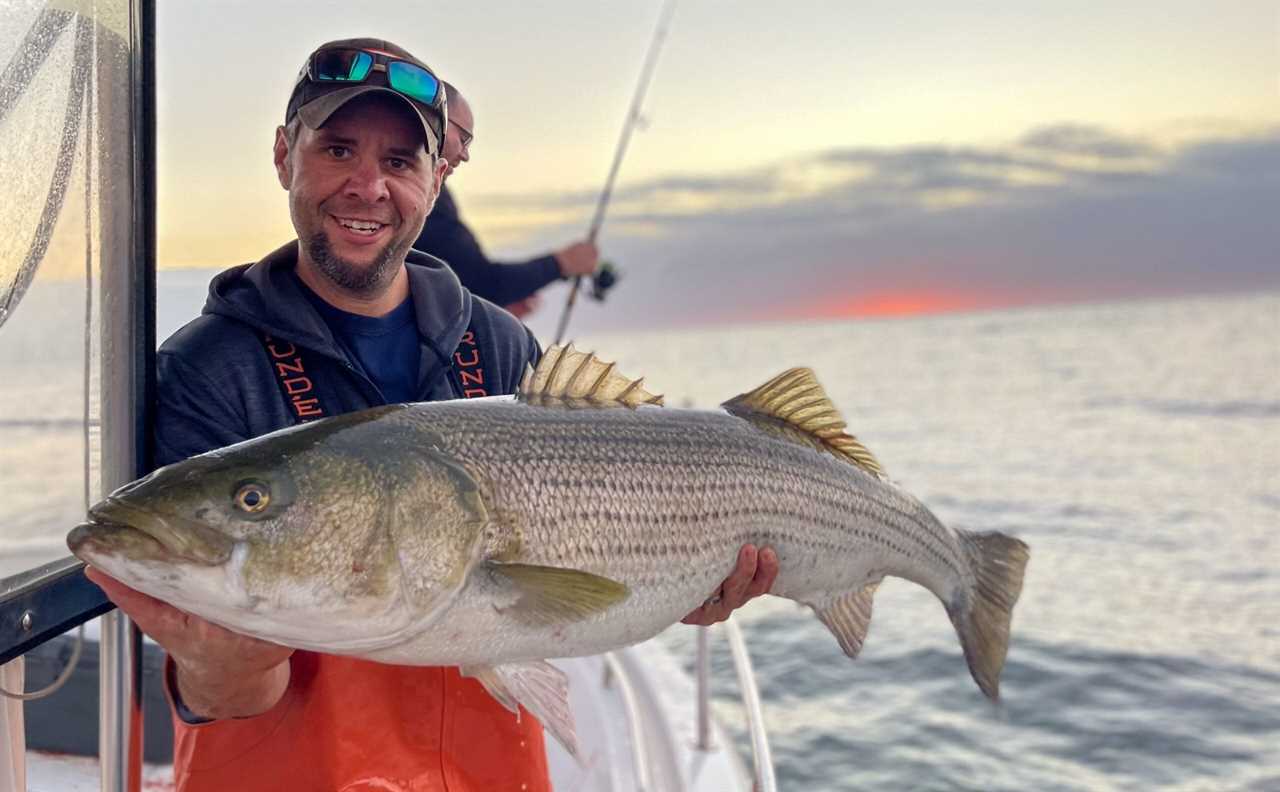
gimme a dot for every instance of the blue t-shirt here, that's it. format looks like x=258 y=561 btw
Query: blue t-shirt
x=385 y=347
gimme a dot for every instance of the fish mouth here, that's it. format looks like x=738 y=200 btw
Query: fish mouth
x=119 y=528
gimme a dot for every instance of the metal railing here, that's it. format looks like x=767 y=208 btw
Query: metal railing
x=703 y=674
x=762 y=758
x=635 y=723
x=761 y=755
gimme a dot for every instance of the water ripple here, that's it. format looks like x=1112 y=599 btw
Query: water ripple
x=1235 y=409
x=909 y=717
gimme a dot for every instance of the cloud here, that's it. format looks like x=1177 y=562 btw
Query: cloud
x=1085 y=139
x=1065 y=212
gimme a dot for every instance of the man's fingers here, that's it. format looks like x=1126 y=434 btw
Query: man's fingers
x=109 y=585
x=735 y=586
x=766 y=573
x=698 y=616
x=707 y=615
x=126 y=598
x=96 y=577
x=153 y=617
x=752 y=576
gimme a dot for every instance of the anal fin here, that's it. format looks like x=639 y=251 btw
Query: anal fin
x=540 y=688
x=848 y=616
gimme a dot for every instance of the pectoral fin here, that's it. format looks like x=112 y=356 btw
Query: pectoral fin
x=540 y=687
x=554 y=595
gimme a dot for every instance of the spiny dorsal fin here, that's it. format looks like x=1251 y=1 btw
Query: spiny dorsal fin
x=795 y=398
x=566 y=376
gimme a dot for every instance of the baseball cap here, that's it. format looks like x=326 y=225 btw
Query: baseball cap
x=338 y=71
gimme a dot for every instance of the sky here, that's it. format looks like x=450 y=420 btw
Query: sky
x=796 y=161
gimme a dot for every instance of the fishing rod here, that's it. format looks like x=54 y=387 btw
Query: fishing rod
x=629 y=125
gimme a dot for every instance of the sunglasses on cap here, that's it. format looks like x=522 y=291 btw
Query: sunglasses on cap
x=349 y=65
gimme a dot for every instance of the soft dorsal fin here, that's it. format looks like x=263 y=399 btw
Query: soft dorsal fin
x=566 y=376
x=795 y=399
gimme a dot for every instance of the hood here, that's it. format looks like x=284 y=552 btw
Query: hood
x=268 y=296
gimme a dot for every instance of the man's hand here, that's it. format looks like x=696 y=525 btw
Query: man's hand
x=221 y=674
x=752 y=577
x=580 y=258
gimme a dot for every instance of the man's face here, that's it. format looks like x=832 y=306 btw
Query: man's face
x=458 y=133
x=359 y=188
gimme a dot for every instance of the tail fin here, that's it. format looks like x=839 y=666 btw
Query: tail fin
x=981 y=615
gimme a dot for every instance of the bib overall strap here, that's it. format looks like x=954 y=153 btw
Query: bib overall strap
x=295 y=380
x=468 y=366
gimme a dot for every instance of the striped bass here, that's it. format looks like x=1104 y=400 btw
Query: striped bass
x=580 y=517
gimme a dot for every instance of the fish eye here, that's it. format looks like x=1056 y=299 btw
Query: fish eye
x=252 y=497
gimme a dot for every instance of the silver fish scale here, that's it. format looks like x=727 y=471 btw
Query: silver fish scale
x=661 y=498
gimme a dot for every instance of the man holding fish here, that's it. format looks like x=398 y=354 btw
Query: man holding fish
x=345 y=318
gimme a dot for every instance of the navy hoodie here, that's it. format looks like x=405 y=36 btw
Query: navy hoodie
x=217 y=383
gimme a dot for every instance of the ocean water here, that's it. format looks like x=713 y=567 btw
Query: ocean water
x=1134 y=446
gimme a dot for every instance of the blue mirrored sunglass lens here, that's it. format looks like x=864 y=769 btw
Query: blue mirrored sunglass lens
x=413 y=81
x=343 y=65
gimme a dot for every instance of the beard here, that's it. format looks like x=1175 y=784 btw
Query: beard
x=361 y=279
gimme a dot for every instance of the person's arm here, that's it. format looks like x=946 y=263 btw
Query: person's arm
x=446 y=237
x=499 y=283
x=220 y=674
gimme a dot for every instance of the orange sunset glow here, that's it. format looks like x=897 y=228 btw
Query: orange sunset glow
x=880 y=303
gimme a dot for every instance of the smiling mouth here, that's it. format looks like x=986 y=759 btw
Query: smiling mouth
x=362 y=227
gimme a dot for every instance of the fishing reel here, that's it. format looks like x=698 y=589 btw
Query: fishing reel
x=605 y=278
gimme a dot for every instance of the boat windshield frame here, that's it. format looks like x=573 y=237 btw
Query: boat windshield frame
x=44 y=602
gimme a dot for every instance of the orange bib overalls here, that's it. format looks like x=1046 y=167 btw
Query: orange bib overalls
x=358 y=726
